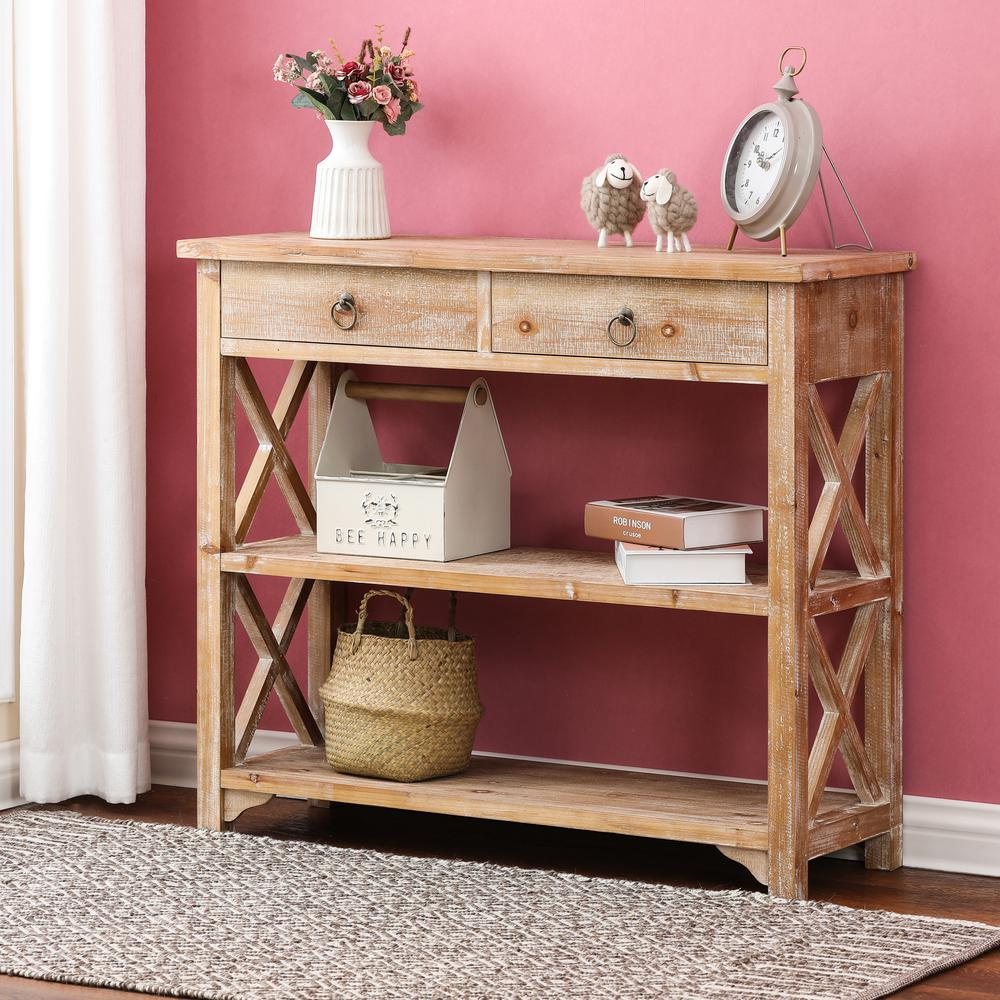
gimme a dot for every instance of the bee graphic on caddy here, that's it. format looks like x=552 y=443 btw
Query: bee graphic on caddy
x=381 y=510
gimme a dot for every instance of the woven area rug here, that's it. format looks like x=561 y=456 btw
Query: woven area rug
x=179 y=912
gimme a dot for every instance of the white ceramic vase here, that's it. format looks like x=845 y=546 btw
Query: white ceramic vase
x=349 y=203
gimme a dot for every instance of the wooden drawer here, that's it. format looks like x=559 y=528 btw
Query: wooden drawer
x=675 y=320
x=397 y=307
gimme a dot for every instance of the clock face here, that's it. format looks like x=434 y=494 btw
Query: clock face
x=757 y=157
x=771 y=166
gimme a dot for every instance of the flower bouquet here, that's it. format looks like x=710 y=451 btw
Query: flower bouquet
x=378 y=86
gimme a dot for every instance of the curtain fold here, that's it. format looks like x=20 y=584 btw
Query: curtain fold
x=7 y=434
x=79 y=142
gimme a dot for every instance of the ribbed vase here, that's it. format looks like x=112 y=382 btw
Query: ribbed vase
x=349 y=203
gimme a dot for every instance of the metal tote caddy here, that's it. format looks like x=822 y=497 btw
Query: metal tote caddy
x=366 y=506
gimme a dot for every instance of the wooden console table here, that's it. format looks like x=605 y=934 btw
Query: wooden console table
x=543 y=306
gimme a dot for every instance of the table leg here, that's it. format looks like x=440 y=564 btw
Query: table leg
x=788 y=678
x=884 y=674
x=216 y=525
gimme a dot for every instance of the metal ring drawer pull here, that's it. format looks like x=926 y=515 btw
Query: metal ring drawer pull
x=625 y=319
x=345 y=304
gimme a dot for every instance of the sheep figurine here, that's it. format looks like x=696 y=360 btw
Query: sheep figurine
x=610 y=199
x=672 y=209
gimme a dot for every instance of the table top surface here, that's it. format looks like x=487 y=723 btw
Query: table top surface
x=551 y=257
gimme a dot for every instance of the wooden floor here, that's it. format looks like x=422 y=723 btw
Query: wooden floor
x=906 y=891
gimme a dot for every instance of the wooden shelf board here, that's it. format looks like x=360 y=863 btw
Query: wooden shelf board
x=549 y=256
x=553 y=574
x=701 y=810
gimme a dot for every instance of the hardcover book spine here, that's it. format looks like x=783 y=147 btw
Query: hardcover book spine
x=621 y=525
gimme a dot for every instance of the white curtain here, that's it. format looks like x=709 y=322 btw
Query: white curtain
x=7 y=441
x=79 y=248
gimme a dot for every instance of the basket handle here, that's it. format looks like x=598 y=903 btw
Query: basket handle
x=407 y=613
x=401 y=624
x=452 y=601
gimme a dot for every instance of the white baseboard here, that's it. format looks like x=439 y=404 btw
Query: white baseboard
x=10 y=774
x=172 y=751
x=943 y=834
x=950 y=835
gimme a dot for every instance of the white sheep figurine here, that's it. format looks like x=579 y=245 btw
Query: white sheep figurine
x=672 y=209
x=610 y=199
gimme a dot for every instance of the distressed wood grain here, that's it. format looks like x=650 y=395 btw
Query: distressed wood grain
x=847 y=325
x=788 y=593
x=403 y=307
x=216 y=517
x=884 y=676
x=708 y=811
x=261 y=468
x=748 y=317
x=328 y=602
x=492 y=253
x=554 y=574
x=675 y=320
x=487 y=361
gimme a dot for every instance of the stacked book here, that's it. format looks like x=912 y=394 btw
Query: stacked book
x=670 y=540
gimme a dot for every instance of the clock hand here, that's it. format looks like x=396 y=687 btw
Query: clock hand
x=765 y=161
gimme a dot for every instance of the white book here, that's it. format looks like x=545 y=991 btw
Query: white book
x=643 y=564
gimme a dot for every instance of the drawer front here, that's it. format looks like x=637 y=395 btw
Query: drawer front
x=396 y=307
x=675 y=320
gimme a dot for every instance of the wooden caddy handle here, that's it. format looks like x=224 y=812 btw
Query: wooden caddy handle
x=413 y=393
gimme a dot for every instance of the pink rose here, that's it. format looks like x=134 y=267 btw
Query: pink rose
x=349 y=71
x=397 y=72
x=382 y=94
x=392 y=111
x=285 y=69
x=359 y=91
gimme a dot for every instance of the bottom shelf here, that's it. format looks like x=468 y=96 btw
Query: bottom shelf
x=702 y=810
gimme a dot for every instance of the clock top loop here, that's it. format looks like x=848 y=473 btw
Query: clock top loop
x=788 y=69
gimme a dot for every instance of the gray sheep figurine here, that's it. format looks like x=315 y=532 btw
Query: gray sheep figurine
x=672 y=209
x=610 y=199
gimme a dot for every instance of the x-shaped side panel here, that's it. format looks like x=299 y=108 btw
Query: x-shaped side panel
x=272 y=453
x=838 y=499
x=272 y=669
x=836 y=690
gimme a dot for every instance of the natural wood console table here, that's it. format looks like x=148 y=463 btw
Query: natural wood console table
x=543 y=306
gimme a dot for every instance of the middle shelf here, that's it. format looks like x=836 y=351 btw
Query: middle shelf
x=553 y=574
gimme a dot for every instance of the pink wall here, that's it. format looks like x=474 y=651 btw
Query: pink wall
x=522 y=99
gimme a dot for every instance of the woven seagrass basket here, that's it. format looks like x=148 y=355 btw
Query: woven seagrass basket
x=402 y=708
